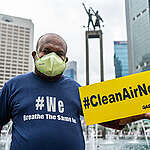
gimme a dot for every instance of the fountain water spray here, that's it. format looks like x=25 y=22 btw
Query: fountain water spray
x=145 y=133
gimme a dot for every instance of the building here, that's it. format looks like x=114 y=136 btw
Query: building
x=71 y=70
x=16 y=44
x=138 y=33
x=121 y=58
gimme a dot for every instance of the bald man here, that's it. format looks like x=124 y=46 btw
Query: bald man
x=44 y=105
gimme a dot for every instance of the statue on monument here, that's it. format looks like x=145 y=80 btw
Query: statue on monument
x=90 y=20
x=98 y=18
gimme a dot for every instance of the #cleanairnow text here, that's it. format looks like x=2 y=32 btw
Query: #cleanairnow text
x=126 y=94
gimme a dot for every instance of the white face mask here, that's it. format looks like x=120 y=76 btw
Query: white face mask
x=50 y=64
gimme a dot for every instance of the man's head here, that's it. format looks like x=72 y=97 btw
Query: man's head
x=49 y=43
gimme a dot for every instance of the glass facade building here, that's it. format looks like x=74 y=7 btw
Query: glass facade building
x=121 y=58
x=138 y=33
x=71 y=70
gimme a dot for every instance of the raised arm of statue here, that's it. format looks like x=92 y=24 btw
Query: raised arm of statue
x=101 y=19
x=92 y=10
x=85 y=8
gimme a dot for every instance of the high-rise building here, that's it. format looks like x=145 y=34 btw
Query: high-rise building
x=16 y=44
x=71 y=70
x=121 y=58
x=138 y=33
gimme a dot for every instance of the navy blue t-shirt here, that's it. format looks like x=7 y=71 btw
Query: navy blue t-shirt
x=45 y=115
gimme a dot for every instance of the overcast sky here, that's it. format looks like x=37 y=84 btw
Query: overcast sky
x=67 y=19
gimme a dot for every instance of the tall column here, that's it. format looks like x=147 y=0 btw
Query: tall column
x=93 y=35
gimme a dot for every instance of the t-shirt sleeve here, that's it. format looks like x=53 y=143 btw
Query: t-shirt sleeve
x=81 y=110
x=4 y=106
x=0 y=130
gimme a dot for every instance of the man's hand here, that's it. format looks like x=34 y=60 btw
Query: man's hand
x=147 y=116
x=124 y=121
x=120 y=123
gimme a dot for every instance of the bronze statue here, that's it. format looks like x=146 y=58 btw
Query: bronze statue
x=90 y=20
x=98 y=18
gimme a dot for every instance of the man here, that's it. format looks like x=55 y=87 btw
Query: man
x=45 y=106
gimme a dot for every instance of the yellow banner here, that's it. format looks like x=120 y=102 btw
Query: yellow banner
x=116 y=99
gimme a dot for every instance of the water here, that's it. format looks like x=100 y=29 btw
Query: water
x=135 y=137
x=110 y=145
x=5 y=143
x=117 y=145
x=2 y=146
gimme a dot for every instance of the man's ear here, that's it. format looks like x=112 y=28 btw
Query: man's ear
x=66 y=60
x=33 y=54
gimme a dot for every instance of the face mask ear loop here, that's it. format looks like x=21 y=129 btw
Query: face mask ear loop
x=64 y=60
x=37 y=55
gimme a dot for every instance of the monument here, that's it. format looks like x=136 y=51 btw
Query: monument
x=92 y=34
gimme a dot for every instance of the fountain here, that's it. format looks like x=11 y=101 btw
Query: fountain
x=134 y=137
x=5 y=138
x=145 y=134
